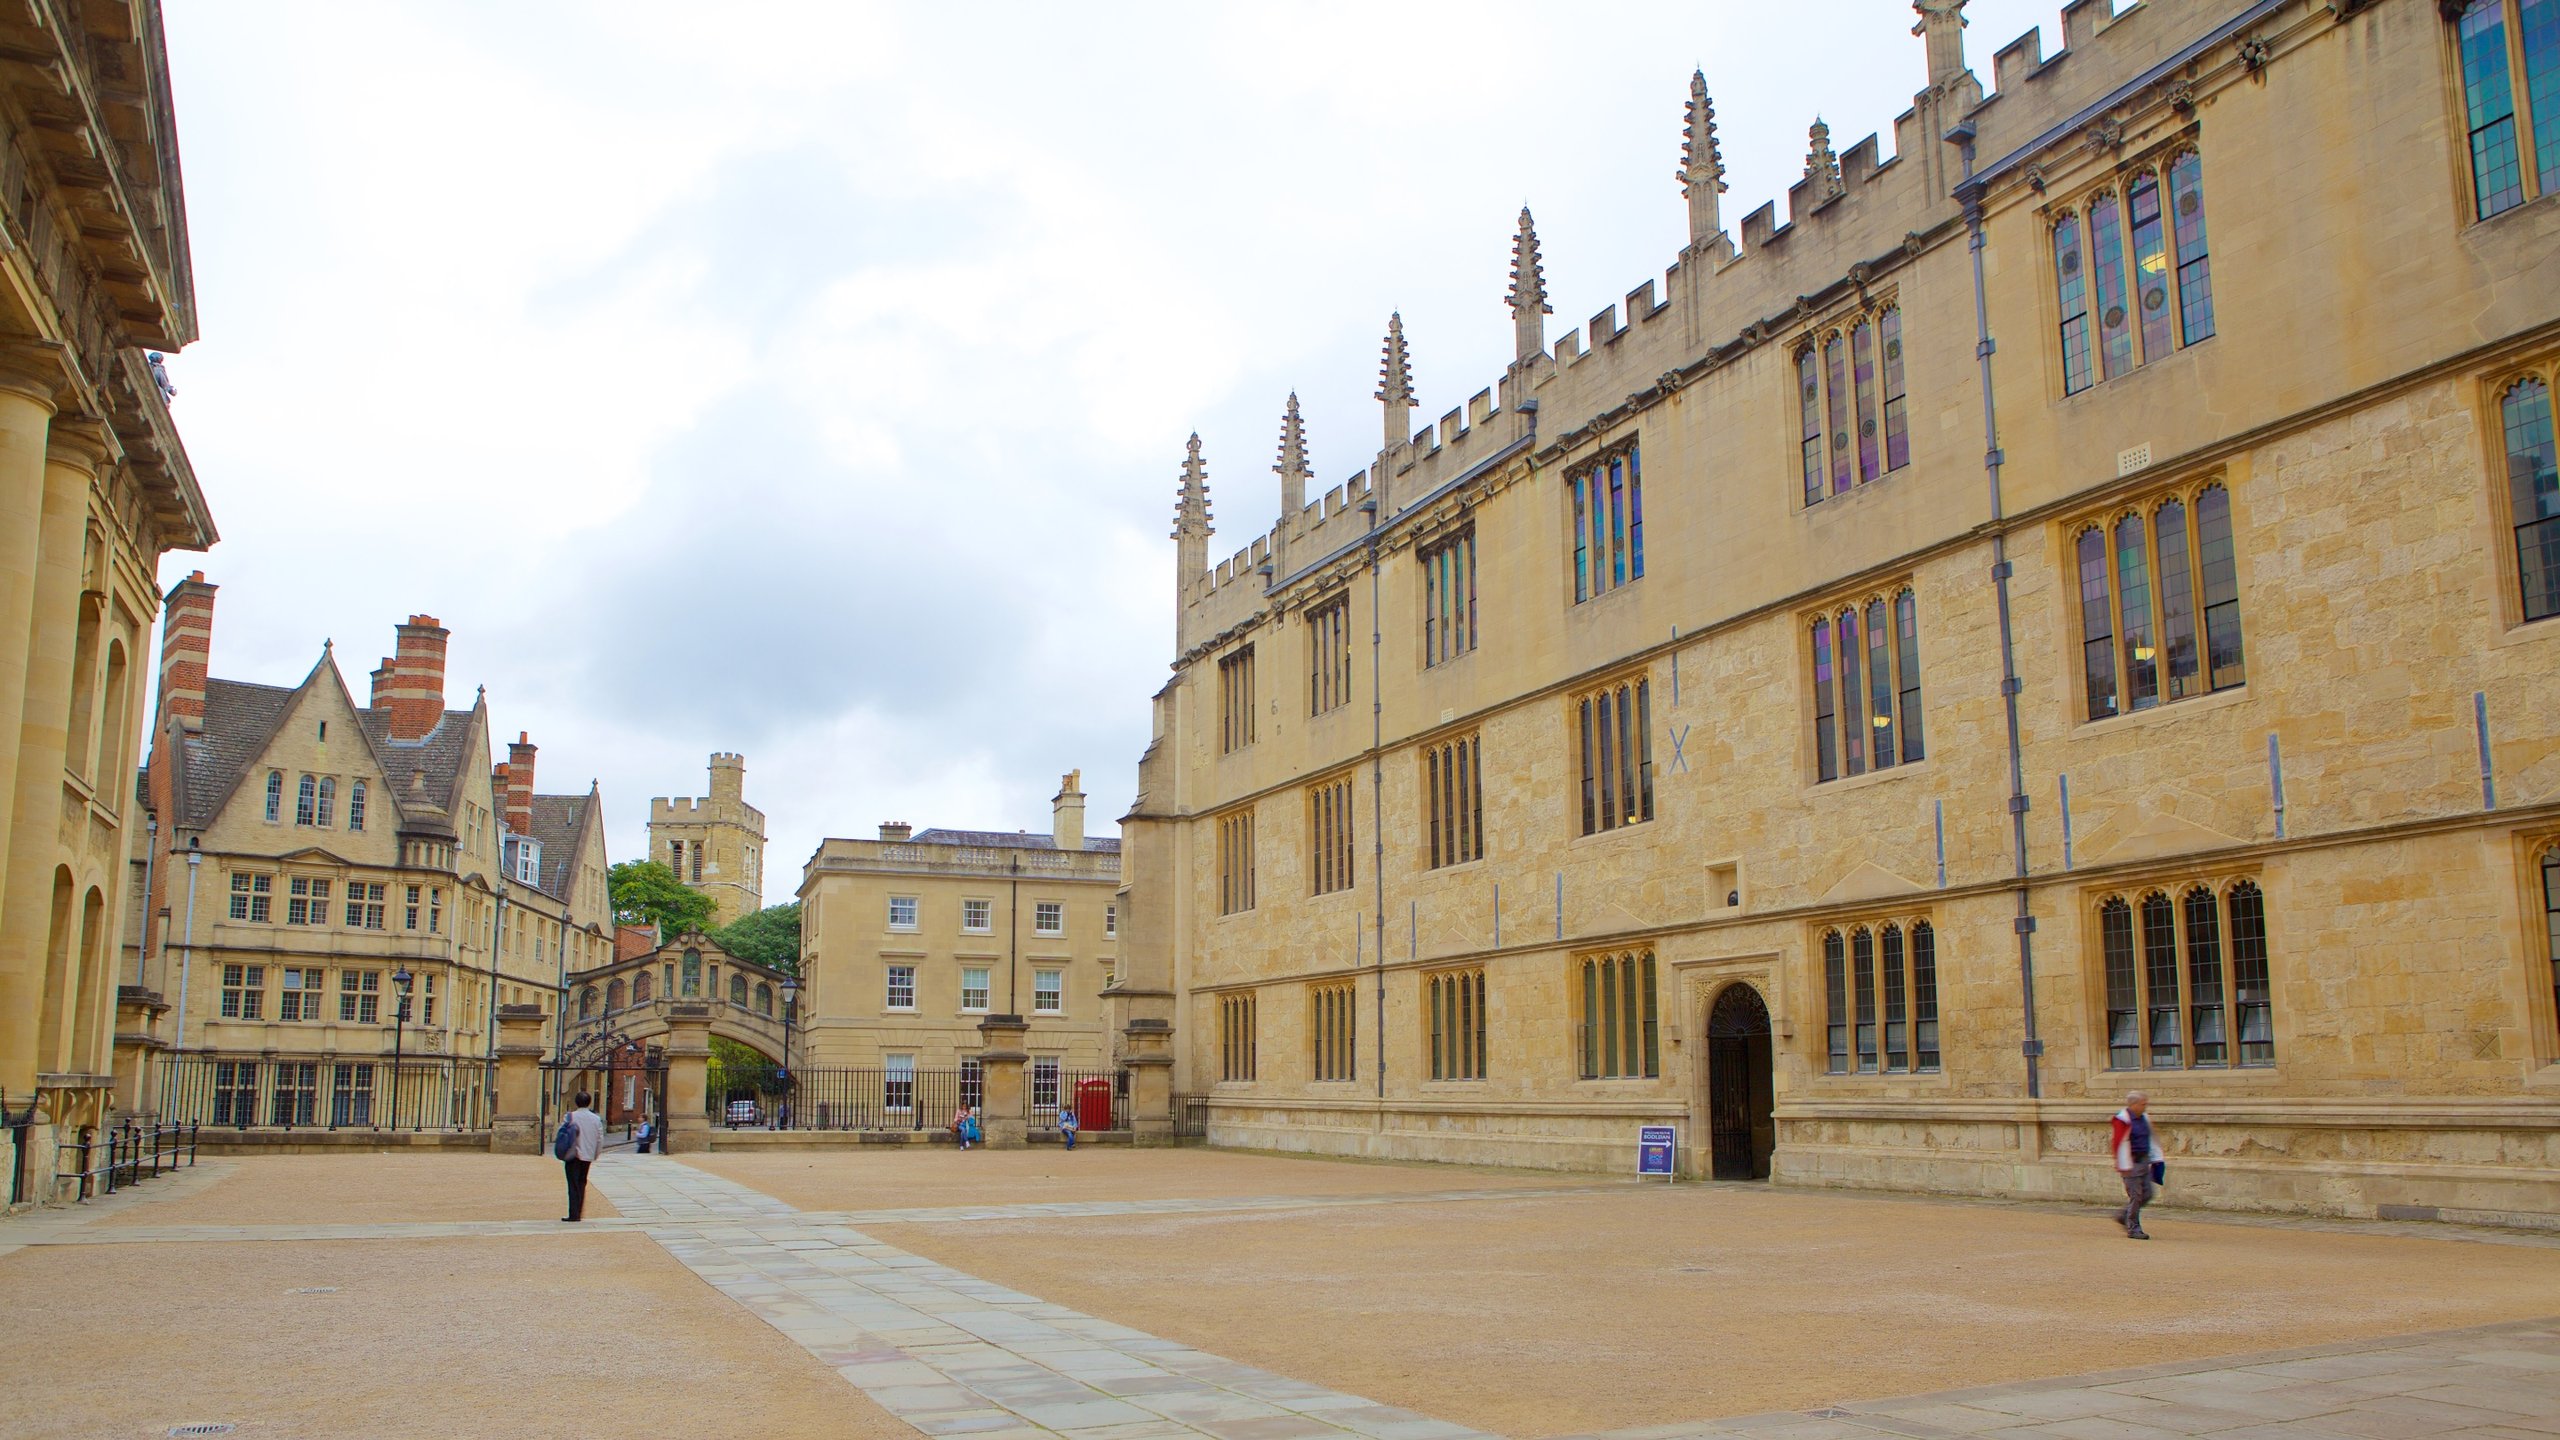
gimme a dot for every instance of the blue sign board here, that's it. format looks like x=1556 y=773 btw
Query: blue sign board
x=1654 y=1147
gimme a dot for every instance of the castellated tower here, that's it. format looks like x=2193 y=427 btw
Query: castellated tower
x=714 y=843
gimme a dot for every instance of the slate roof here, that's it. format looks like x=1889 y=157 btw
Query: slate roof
x=239 y=719
x=438 y=754
x=1018 y=839
x=557 y=822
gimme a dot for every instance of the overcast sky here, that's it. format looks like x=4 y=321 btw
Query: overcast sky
x=811 y=380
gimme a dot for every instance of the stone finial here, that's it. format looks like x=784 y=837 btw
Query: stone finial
x=1528 y=297
x=1292 y=468
x=1191 y=506
x=1701 y=162
x=1821 y=167
x=1395 y=384
x=1942 y=27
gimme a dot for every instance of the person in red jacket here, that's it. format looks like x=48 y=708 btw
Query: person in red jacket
x=2129 y=1141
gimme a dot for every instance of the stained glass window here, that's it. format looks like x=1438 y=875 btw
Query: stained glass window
x=1825 y=724
x=2097 y=635
x=1897 y=440
x=1862 y=355
x=2133 y=593
x=1835 y=362
x=1809 y=405
x=1835 y=984
x=2150 y=264
x=2195 y=268
x=2072 y=290
x=2106 y=258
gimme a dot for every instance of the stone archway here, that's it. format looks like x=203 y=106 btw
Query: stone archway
x=1741 y=1097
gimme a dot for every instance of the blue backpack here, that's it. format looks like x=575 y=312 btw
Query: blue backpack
x=565 y=1144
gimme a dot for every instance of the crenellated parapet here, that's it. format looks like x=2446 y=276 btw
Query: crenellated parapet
x=1854 y=222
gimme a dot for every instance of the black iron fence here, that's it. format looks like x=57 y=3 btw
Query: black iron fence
x=323 y=1092
x=127 y=1155
x=1190 y=1117
x=766 y=1097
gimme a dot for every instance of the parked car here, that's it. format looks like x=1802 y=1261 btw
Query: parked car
x=744 y=1112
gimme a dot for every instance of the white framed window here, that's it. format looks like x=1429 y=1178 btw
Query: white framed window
x=1049 y=917
x=328 y=801
x=902 y=987
x=898 y=1082
x=978 y=917
x=364 y=905
x=360 y=996
x=252 y=897
x=355 y=807
x=275 y=795
x=902 y=912
x=412 y=908
x=300 y=997
x=306 y=801
x=975 y=989
x=1044 y=1082
x=1111 y=922
x=435 y=910
x=1049 y=991
x=306 y=901
x=244 y=992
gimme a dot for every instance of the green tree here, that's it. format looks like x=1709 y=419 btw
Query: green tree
x=769 y=937
x=645 y=892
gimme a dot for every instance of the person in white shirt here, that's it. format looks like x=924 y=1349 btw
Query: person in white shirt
x=583 y=1149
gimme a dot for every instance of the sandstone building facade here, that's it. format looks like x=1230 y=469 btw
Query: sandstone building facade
x=714 y=843
x=94 y=488
x=912 y=940
x=2072 y=609
x=310 y=853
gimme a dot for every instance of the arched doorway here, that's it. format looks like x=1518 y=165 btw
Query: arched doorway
x=1741 y=1102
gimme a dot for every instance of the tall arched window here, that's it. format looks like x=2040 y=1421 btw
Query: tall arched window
x=1835 y=990
x=306 y=802
x=2488 y=92
x=2551 y=918
x=764 y=998
x=275 y=795
x=640 y=988
x=2106 y=255
x=328 y=801
x=1835 y=364
x=2143 y=579
x=114 y=750
x=587 y=1003
x=1809 y=423
x=2150 y=264
x=78 y=736
x=692 y=973
x=2071 y=289
x=1897 y=438
x=2195 y=274
x=1924 y=995
x=1897 y=1000
x=2533 y=494
x=1862 y=358
x=1620 y=1029
x=1862 y=979
x=613 y=997
x=738 y=990
x=355 y=807
x=2215 y=943
x=1869 y=715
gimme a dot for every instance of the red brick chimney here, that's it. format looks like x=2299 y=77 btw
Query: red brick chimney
x=414 y=689
x=186 y=647
x=519 y=792
x=382 y=677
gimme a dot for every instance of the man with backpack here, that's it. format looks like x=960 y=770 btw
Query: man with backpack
x=581 y=1137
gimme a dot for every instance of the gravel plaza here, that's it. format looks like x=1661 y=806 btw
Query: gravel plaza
x=1131 y=1295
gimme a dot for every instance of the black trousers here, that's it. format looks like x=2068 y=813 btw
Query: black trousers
x=578 y=1188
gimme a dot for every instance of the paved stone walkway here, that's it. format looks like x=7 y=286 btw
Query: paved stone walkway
x=952 y=1354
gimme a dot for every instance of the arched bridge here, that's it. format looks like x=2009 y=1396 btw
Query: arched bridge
x=627 y=1001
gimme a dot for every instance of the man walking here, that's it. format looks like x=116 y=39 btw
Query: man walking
x=2129 y=1138
x=582 y=1136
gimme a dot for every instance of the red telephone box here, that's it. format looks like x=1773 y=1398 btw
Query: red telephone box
x=1093 y=1104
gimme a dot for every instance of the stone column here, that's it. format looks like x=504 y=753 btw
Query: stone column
x=28 y=375
x=687 y=1121
x=1148 y=1052
x=138 y=1048
x=516 y=1129
x=43 y=724
x=1003 y=1102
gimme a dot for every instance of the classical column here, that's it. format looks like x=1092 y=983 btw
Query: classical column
x=1001 y=1098
x=516 y=1129
x=28 y=375
x=43 y=723
x=687 y=1122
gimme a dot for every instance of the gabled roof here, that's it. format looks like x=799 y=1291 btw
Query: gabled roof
x=240 y=719
x=559 y=823
x=1018 y=839
x=438 y=755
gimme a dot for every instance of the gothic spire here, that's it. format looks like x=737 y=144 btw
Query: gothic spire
x=1292 y=468
x=1942 y=27
x=1528 y=297
x=1395 y=384
x=1701 y=162
x=1191 y=506
x=1822 y=167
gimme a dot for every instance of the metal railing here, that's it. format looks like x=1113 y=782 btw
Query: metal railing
x=1190 y=1117
x=1048 y=1098
x=764 y=1097
x=134 y=1153
x=323 y=1092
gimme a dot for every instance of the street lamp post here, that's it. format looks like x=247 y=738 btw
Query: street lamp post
x=400 y=980
x=790 y=1002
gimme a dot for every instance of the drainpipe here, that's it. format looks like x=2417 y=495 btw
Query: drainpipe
x=142 y=947
x=2024 y=923
x=187 y=951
